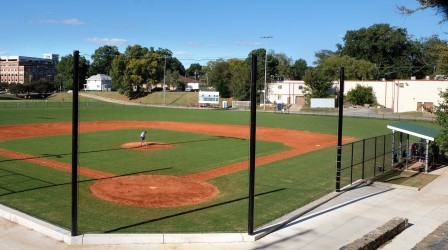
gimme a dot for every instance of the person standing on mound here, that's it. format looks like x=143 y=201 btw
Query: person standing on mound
x=143 y=138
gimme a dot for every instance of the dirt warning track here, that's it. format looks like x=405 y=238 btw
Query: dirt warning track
x=158 y=190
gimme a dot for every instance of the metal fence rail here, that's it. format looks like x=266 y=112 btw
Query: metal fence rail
x=367 y=158
x=43 y=103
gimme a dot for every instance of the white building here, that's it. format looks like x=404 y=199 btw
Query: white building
x=98 y=82
x=286 y=92
x=398 y=95
x=403 y=95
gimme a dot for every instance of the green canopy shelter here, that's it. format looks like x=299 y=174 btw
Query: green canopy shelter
x=413 y=129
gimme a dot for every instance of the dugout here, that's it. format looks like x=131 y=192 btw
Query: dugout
x=426 y=136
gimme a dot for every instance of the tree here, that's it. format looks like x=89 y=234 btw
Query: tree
x=317 y=83
x=261 y=55
x=58 y=82
x=136 y=74
x=27 y=88
x=434 y=56
x=194 y=71
x=43 y=86
x=441 y=7
x=283 y=67
x=239 y=85
x=441 y=112
x=155 y=63
x=442 y=109
x=361 y=95
x=65 y=69
x=321 y=55
x=136 y=51
x=117 y=69
x=102 y=59
x=173 y=64
x=172 y=79
x=15 y=88
x=354 y=69
x=137 y=67
x=298 y=69
x=389 y=48
x=271 y=67
x=3 y=86
x=204 y=76
x=220 y=76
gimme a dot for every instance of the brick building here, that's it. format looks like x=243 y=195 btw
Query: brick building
x=21 y=69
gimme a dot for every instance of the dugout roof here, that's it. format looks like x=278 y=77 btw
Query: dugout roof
x=415 y=130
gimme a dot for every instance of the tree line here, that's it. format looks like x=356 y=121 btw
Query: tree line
x=441 y=111
x=373 y=53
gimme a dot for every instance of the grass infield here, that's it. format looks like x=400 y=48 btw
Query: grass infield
x=281 y=186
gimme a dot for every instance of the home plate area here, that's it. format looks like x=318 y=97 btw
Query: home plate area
x=164 y=190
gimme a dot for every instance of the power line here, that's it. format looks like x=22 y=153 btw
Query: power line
x=178 y=58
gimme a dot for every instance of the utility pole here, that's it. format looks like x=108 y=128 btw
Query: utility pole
x=164 y=81
x=265 y=72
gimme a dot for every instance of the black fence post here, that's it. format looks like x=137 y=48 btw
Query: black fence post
x=393 y=150
x=407 y=150
x=253 y=126
x=74 y=229
x=351 y=164
x=374 y=159
x=384 y=151
x=363 y=157
x=340 y=119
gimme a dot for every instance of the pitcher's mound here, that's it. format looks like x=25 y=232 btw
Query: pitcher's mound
x=153 y=190
x=148 y=146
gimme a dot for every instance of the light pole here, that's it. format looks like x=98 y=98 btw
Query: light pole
x=164 y=81
x=265 y=73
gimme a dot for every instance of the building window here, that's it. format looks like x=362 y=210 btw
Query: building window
x=279 y=86
x=279 y=97
x=300 y=86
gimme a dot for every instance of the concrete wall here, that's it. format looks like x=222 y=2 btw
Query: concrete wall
x=402 y=95
x=398 y=95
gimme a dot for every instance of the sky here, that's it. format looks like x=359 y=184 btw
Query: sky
x=198 y=31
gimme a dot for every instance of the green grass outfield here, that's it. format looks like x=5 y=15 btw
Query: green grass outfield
x=281 y=186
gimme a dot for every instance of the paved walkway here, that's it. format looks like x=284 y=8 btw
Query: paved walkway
x=86 y=94
x=339 y=222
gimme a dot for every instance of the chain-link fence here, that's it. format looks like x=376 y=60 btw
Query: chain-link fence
x=367 y=158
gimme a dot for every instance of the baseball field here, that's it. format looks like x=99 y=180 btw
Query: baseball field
x=192 y=176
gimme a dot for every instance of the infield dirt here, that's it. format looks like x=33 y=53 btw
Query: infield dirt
x=159 y=190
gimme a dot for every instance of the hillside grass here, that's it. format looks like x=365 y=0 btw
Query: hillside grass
x=154 y=98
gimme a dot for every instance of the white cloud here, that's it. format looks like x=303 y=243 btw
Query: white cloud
x=71 y=21
x=107 y=41
x=252 y=44
x=48 y=21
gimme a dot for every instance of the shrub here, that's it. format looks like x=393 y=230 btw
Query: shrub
x=361 y=95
